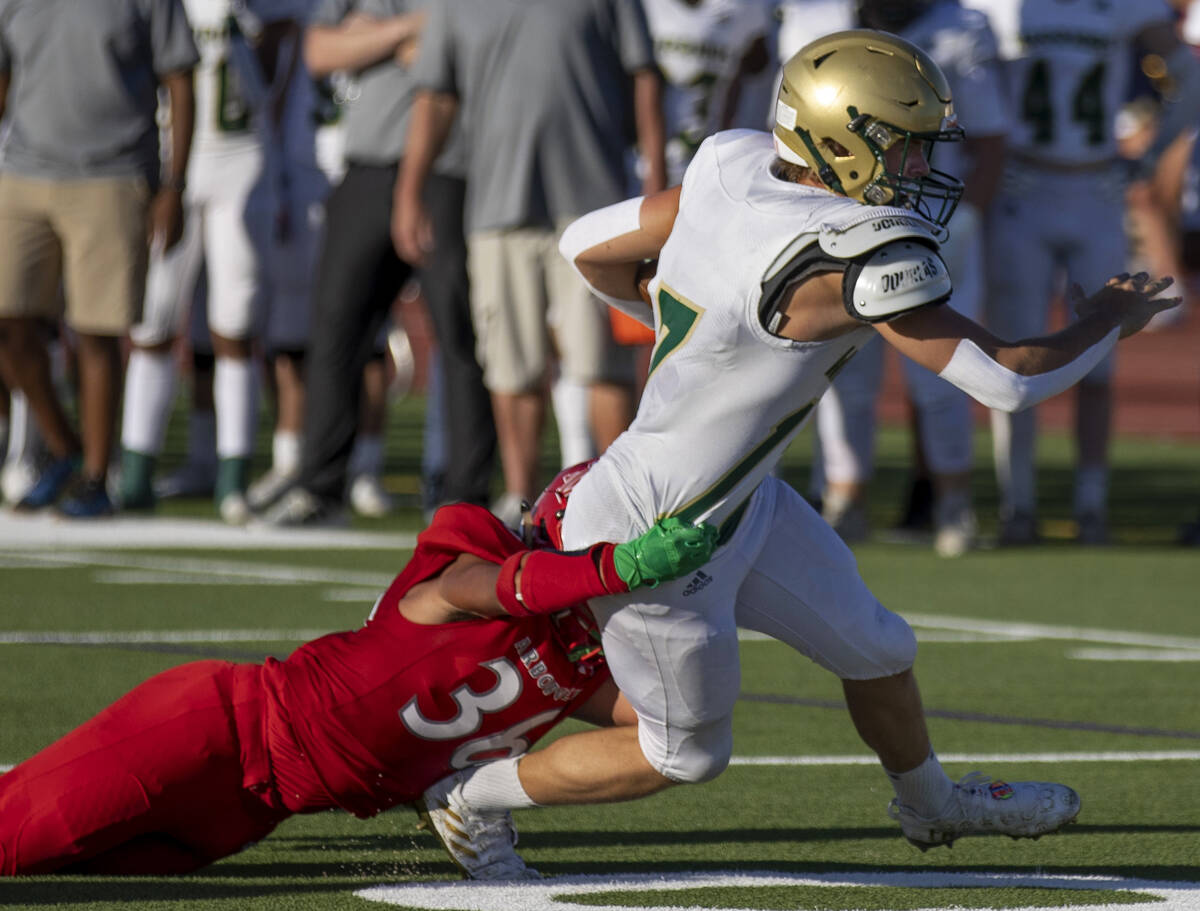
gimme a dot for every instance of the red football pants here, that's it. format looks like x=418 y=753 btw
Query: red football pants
x=151 y=785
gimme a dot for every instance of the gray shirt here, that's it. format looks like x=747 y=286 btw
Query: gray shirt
x=376 y=117
x=84 y=83
x=545 y=101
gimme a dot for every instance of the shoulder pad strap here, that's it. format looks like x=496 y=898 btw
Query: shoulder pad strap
x=874 y=227
x=894 y=279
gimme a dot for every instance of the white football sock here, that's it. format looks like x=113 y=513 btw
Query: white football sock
x=285 y=452
x=1013 y=445
x=235 y=395
x=926 y=789
x=149 y=394
x=495 y=786
x=570 y=400
x=367 y=456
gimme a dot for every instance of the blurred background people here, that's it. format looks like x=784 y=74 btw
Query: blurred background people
x=963 y=45
x=237 y=50
x=360 y=274
x=541 y=92
x=82 y=197
x=1058 y=215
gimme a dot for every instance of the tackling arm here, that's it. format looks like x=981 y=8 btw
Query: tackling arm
x=1011 y=376
x=608 y=248
x=546 y=581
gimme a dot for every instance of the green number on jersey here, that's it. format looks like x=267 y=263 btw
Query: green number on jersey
x=233 y=112
x=676 y=320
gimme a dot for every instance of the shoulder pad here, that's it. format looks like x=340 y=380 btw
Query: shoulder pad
x=894 y=279
x=874 y=227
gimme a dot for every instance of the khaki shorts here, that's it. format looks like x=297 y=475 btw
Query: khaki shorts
x=530 y=308
x=89 y=236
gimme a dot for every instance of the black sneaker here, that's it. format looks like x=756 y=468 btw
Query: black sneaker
x=86 y=498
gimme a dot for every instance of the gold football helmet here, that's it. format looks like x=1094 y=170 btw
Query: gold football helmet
x=847 y=98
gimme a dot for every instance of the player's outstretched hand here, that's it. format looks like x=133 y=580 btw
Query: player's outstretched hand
x=671 y=548
x=1130 y=299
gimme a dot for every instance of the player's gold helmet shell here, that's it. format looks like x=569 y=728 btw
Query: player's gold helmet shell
x=866 y=91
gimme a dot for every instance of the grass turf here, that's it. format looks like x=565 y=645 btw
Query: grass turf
x=1033 y=691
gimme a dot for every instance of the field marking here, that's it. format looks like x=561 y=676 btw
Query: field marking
x=964 y=758
x=555 y=893
x=228 y=571
x=1134 y=654
x=1046 y=631
x=977 y=758
x=44 y=531
x=139 y=637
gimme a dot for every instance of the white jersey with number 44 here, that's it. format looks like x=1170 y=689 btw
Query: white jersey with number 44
x=1068 y=69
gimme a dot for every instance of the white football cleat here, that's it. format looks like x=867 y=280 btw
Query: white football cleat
x=268 y=489
x=980 y=806
x=368 y=498
x=480 y=844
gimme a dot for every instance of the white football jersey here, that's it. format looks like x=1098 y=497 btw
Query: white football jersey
x=1067 y=69
x=698 y=48
x=802 y=21
x=724 y=396
x=962 y=43
x=224 y=112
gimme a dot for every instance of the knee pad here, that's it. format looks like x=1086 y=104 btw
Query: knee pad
x=691 y=756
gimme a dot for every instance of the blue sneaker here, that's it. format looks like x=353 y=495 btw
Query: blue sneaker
x=87 y=498
x=50 y=483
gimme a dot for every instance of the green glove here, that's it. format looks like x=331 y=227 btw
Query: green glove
x=671 y=548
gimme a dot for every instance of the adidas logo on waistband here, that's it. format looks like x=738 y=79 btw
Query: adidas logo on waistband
x=698 y=582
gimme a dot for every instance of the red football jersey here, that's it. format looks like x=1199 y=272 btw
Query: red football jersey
x=381 y=713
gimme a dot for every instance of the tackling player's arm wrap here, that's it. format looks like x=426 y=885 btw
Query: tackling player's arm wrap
x=597 y=228
x=994 y=385
x=551 y=580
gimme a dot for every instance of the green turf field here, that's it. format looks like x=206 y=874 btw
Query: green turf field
x=1081 y=665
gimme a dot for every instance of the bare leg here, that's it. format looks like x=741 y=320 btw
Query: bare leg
x=99 y=394
x=889 y=718
x=600 y=766
x=27 y=368
x=519 y=419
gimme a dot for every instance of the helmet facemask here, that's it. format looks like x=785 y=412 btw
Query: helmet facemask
x=934 y=195
x=847 y=99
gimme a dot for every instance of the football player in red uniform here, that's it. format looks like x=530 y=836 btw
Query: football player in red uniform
x=480 y=646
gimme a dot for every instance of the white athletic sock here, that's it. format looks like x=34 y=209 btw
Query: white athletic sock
x=926 y=789
x=235 y=395
x=285 y=452
x=367 y=456
x=495 y=786
x=1091 y=489
x=570 y=402
x=1013 y=445
x=149 y=394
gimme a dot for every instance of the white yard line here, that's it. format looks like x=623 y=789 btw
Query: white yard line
x=138 y=637
x=555 y=893
x=964 y=758
x=42 y=532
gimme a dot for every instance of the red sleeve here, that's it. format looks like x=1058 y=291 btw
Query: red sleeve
x=457 y=529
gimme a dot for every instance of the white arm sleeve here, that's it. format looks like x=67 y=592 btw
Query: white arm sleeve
x=994 y=385
x=597 y=227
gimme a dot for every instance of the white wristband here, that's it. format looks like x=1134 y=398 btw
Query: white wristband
x=995 y=386
x=599 y=227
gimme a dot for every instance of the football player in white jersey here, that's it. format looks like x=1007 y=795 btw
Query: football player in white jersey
x=962 y=43
x=225 y=164
x=777 y=260
x=704 y=48
x=1060 y=207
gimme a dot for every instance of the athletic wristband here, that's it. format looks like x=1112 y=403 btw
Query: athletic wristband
x=994 y=385
x=552 y=581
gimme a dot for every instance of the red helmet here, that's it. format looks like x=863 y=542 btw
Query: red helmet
x=551 y=504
